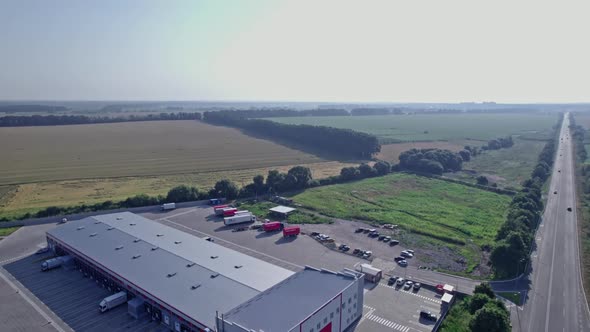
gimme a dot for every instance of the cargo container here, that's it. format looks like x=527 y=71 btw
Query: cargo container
x=291 y=231
x=228 y=212
x=112 y=301
x=219 y=209
x=272 y=226
x=54 y=262
x=240 y=218
x=168 y=206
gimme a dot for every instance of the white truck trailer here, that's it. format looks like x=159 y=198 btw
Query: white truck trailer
x=54 y=262
x=168 y=206
x=112 y=301
x=239 y=218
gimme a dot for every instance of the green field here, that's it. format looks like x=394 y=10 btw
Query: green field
x=506 y=167
x=449 y=214
x=434 y=127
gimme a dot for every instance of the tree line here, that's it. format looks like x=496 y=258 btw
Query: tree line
x=510 y=254
x=58 y=120
x=499 y=143
x=434 y=161
x=343 y=142
x=32 y=109
x=481 y=312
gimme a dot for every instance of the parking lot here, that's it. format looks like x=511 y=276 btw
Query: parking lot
x=74 y=298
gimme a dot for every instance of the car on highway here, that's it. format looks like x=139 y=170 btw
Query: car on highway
x=408 y=284
x=417 y=286
x=428 y=315
x=403 y=263
x=393 y=242
x=569 y=209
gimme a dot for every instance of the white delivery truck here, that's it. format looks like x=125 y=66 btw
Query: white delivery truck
x=55 y=262
x=112 y=301
x=239 y=218
x=168 y=206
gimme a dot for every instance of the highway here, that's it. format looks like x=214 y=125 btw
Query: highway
x=556 y=301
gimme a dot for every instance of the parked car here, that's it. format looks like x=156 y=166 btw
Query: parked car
x=381 y=237
x=343 y=247
x=403 y=263
x=417 y=286
x=366 y=230
x=408 y=284
x=367 y=253
x=359 y=230
x=410 y=251
x=406 y=254
x=373 y=234
x=400 y=281
x=356 y=251
x=393 y=242
x=314 y=234
x=387 y=239
x=372 y=230
x=399 y=258
x=428 y=315
x=392 y=280
x=388 y=226
x=347 y=248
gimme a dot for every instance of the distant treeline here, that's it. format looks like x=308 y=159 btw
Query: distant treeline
x=375 y=111
x=32 y=109
x=58 y=120
x=343 y=142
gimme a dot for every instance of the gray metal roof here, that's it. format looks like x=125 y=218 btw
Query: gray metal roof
x=290 y=302
x=186 y=258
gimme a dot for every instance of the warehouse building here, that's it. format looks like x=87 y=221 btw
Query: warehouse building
x=183 y=281
x=311 y=300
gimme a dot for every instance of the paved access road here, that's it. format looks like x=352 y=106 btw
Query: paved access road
x=557 y=302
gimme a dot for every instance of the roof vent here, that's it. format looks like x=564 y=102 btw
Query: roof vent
x=80 y=227
x=132 y=224
x=191 y=264
x=119 y=248
x=136 y=240
x=136 y=256
x=170 y=275
x=238 y=266
x=214 y=275
x=213 y=257
x=110 y=228
x=154 y=248
x=119 y=218
x=193 y=287
x=158 y=235
x=92 y=235
x=177 y=242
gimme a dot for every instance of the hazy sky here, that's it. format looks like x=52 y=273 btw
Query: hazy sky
x=408 y=50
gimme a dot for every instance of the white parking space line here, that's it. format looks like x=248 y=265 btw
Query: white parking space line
x=414 y=294
x=178 y=214
x=387 y=323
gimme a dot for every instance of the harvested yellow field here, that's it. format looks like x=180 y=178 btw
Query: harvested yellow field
x=36 y=154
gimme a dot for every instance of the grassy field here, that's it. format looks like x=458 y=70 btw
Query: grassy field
x=34 y=154
x=441 y=213
x=514 y=297
x=435 y=127
x=7 y=231
x=31 y=197
x=506 y=167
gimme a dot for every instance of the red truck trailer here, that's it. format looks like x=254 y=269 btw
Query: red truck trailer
x=272 y=226
x=291 y=231
x=229 y=212
x=219 y=209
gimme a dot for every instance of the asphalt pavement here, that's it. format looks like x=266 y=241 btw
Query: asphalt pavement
x=556 y=301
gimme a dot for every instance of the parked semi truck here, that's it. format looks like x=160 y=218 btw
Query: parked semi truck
x=168 y=206
x=272 y=226
x=239 y=218
x=230 y=211
x=54 y=262
x=219 y=209
x=112 y=301
x=291 y=231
